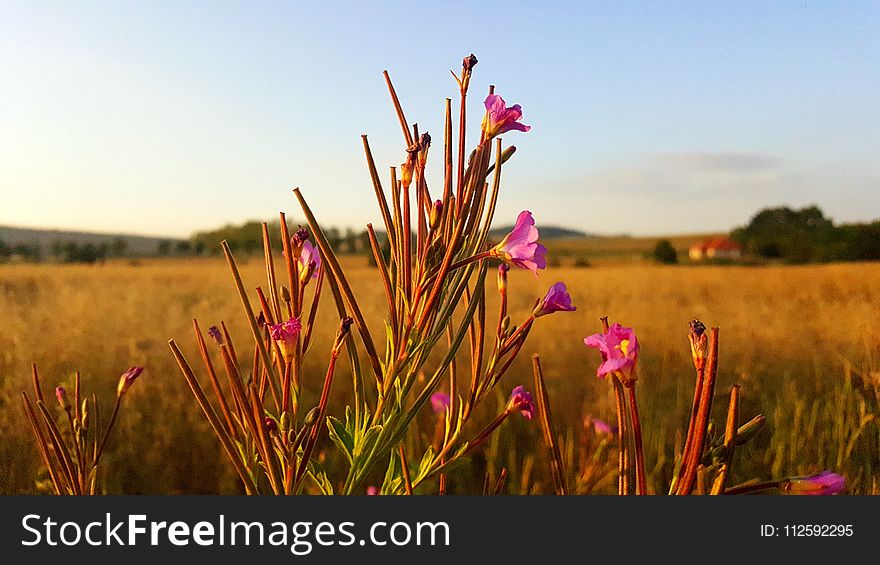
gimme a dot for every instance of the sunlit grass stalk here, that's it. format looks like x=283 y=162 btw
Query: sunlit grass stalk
x=336 y=270
x=556 y=463
x=641 y=478
x=216 y=424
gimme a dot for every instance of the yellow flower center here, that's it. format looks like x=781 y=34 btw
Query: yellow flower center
x=623 y=347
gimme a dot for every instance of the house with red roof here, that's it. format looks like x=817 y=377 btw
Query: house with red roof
x=715 y=248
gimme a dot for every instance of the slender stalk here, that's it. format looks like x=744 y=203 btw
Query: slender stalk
x=755 y=487
x=252 y=320
x=688 y=479
x=502 y=478
x=35 y=380
x=289 y=263
x=41 y=444
x=407 y=482
x=322 y=406
x=730 y=430
x=61 y=451
x=622 y=436
x=380 y=193
x=386 y=281
x=212 y=375
x=487 y=431
x=641 y=480
x=689 y=439
x=335 y=269
x=110 y=425
x=225 y=440
x=407 y=136
x=556 y=464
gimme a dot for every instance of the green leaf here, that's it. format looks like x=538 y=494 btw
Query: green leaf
x=369 y=438
x=341 y=437
x=425 y=464
x=393 y=475
x=319 y=476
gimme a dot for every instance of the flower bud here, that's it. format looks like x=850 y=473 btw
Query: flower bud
x=698 y=340
x=424 y=144
x=436 y=215
x=297 y=240
x=503 y=269
x=127 y=379
x=408 y=168
x=215 y=333
x=61 y=395
x=312 y=417
x=270 y=424
x=84 y=418
x=344 y=328
x=750 y=429
x=469 y=62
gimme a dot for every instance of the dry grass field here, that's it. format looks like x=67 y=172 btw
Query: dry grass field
x=795 y=338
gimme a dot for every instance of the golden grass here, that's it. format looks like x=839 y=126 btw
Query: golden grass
x=788 y=335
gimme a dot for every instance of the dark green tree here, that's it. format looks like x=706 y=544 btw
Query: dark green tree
x=665 y=253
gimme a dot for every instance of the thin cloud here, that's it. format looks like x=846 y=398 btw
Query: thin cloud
x=718 y=162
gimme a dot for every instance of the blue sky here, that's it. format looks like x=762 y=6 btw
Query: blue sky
x=647 y=118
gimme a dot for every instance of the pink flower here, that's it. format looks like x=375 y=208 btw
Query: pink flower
x=521 y=399
x=372 y=491
x=619 y=349
x=520 y=247
x=127 y=379
x=499 y=118
x=439 y=402
x=825 y=483
x=309 y=261
x=557 y=299
x=600 y=427
x=285 y=335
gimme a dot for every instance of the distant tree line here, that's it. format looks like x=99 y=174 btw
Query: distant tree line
x=807 y=236
x=20 y=251
x=64 y=251
x=247 y=239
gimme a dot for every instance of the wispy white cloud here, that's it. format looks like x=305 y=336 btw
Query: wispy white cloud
x=701 y=192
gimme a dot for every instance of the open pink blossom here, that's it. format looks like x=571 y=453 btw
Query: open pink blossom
x=285 y=335
x=520 y=247
x=499 y=118
x=822 y=484
x=309 y=261
x=439 y=402
x=521 y=399
x=557 y=299
x=372 y=491
x=619 y=348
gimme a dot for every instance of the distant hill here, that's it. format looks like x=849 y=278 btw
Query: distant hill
x=547 y=232
x=45 y=239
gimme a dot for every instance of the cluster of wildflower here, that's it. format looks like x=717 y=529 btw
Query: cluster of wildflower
x=72 y=451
